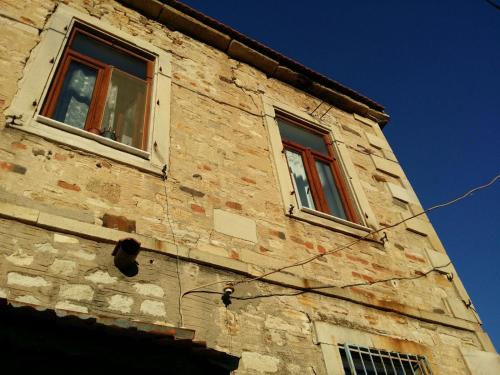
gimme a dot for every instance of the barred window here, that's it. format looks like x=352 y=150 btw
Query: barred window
x=358 y=360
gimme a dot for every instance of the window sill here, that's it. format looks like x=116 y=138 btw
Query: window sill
x=330 y=222
x=80 y=139
x=95 y=137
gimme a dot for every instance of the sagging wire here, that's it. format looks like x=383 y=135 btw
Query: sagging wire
x=347 y=246
x=419 y=275
x=430 y=209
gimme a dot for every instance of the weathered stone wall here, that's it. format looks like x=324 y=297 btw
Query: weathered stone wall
x=220 y=161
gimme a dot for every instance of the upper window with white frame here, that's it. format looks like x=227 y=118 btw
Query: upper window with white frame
x=92 y=86
x=103 y=87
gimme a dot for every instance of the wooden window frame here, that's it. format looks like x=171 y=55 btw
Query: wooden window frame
x=309 y=156
x=103 y=79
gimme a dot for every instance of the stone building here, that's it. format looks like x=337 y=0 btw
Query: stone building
x=231 y=165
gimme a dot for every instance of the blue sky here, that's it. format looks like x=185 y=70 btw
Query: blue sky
x=435 y=66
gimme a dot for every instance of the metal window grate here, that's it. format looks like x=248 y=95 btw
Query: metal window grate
x=358 y=360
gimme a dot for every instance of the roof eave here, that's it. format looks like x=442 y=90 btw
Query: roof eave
x=178 y=16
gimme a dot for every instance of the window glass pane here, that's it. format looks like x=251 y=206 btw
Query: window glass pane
x=76 y=93
x=302 y=136
x=345 y=362
x=296 y=166
x=330 y=190
x=109 y=55
x=124 y=112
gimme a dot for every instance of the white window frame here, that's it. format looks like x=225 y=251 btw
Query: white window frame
x=286 y=184
x=39 y=73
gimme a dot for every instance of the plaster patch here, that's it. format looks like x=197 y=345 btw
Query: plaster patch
x=101 y=277
x=63 y=267
x=121 y=303
x=153 y=308
x=76 y=292
x=151 y=290
x=14 y=278
x=3 y=293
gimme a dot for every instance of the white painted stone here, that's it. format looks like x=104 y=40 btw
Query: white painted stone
x=259 y=362
x=151 y=290
x=14 y=278
x=20 y=258
x=63 y=267
x=154 y=308
x=235 y=225
x=76 y=292
x=28 y=299
x=85 y=255
x=45 y=248
x=399 y=192
x=101 y=277
x=121 y=303
x=64 y=239
x=68 y=306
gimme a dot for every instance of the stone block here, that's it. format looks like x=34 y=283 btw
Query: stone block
x=68 y=306
x=120 y=303
x=8 y=210
x=375 y=141
x=398 y=192
x=459 y=310
x=63 y=267
x=235 y=225
x=14 y=278
x=259 y=362
x=120 y=223
x=151 y=290
x=387 y=166
x=153 y=308
x=76 y=292
x=101 y=277
x=481 y=363
x=417 y=225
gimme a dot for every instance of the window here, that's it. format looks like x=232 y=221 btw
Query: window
x=368 y=361
x=318 y=182
x=91 y=86
x=314 y=169
x=102 y=87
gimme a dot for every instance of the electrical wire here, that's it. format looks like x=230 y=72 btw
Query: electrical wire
x=430 y=209
x=315 y=109
x=344 y=247
x=346 y=286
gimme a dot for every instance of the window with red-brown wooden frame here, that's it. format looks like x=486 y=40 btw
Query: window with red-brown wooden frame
x=135 y=112
x=315 y=171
